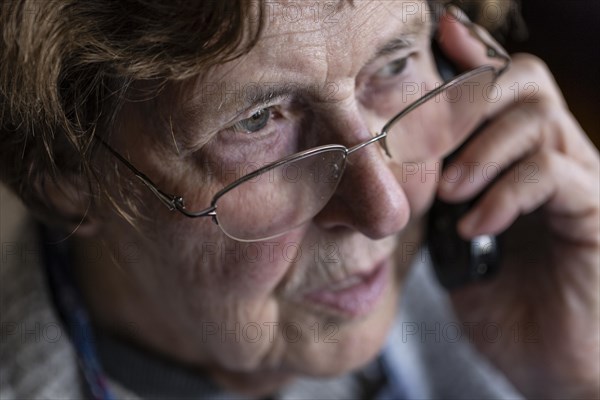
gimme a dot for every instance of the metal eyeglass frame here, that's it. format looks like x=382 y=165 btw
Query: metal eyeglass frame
x=176 y=202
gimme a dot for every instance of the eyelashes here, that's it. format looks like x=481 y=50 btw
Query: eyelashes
x=392 y=69
x=255 y=123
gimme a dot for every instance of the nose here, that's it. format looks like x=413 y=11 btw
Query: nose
x=369 y=198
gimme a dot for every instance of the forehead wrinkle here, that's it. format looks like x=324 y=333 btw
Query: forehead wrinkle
x=311 y=41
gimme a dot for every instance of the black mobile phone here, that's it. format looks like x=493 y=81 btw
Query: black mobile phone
x=456 y=261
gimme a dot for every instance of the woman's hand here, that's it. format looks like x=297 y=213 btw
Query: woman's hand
x=545 y=203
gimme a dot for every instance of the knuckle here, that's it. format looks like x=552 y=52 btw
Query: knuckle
x=545 y=160
x=534 y=65
x=536 y=72
x=548 y=115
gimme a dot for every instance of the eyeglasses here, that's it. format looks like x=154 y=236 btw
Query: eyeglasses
x=287 y=193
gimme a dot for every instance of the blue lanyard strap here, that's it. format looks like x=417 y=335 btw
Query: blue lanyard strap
x=68 y=301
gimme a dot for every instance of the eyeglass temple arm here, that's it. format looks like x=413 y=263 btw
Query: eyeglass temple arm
x=172 y=202
x=493 y=50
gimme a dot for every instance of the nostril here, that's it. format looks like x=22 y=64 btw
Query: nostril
x=369 y=199
x=388 y=212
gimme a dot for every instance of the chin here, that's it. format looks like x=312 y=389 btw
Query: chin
x=342 y=344
x=332 y=343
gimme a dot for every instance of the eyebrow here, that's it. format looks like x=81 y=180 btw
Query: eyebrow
x=268 y=93
x=275 y=92
x=404 y=40
x=391 y=47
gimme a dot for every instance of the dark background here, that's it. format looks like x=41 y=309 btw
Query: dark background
x=566 y=35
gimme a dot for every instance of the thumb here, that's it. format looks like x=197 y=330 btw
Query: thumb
x=464 y=43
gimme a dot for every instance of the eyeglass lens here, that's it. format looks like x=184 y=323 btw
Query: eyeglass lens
x=281 y=198
x=441 y=123
x=287 y=196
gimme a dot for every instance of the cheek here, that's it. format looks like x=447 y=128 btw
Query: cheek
x=421 y=186
x=249 y=271
x=192 y=254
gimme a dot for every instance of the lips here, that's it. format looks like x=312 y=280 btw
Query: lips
x=356 y=295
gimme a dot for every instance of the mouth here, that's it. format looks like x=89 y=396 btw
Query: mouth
x=356 y=295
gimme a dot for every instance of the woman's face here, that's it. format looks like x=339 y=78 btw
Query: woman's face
x=318 y=300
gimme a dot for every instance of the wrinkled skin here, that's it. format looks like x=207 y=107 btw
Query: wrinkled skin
x=186 y=283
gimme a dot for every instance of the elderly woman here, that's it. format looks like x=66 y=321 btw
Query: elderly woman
x=233 y=198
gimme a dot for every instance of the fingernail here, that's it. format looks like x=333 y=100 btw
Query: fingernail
x=451 y=178
x=445 y=185
x=467 y=226
x=458 y=14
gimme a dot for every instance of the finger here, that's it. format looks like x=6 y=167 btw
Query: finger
x=508 y=138
x=562 y=186
x=520 y=130
x=529 y=83
x=461 y=41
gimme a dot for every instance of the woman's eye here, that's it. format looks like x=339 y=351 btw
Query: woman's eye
x=393 y=68
x=256 y=122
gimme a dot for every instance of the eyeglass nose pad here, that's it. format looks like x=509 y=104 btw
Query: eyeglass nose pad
x=383 y=143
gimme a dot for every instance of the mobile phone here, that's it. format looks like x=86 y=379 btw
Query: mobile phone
x=456 y=261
